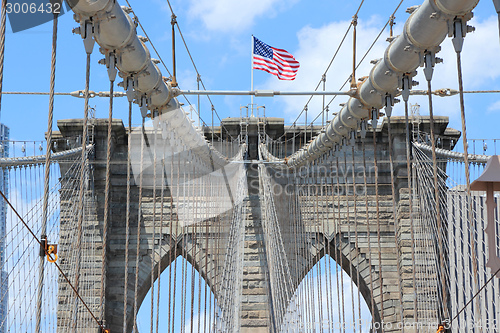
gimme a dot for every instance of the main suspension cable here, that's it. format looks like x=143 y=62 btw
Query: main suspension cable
x=164 y=65
x=330 y=63
x=348 y=79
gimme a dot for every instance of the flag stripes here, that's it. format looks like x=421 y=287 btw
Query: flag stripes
x=275 y=61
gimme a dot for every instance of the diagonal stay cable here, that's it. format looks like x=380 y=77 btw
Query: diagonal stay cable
x=362 y=60
x=359 y=64
x=158 y=54
x=152 y=44
x=190 y=56
x=192 y=61
x=48 y=255
x=372 y=45
x=150 y=41
x=331 y=62
x=196 y=68
x=474 y=297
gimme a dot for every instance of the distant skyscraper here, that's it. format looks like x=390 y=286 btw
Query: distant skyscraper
x=4 y=186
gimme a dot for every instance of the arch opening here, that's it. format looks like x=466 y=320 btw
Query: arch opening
x=327 y=300
x=186 y=302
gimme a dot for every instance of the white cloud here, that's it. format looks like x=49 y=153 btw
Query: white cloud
x=316 y=48
x=234 y=16
x=495 y=107
x=187 y=78
x=479 y=65
x=317 y=45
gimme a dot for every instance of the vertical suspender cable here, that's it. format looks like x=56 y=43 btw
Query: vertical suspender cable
x=139 y=218
x=176 y=253
x=348 y=222
x=106 y=203
x=311 y=219
x=305 y=126
x=184 y=249
x=354 y=33
x=127 y=220
x=368 y=234
x=328 y=245
x=207 y=250
x=324 y=196
x=444 y=309
x=379 y=242
x=218 y=255
x=81 y=195
x=467 y=172
x=198 y=79
x=339 y=256
x=47 y=156
x=155 y=161
x=209 y=231
x=323 y=78
x=391 y=24
x=163 y=170
x=356 y=227
x=200 y=282
x=317 y=216
x=174 y=72
x=173 y=252
x=396 y=224
x=410 y=198
x=194 y=243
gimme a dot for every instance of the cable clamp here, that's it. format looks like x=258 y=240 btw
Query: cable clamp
x=49 y=250
x=103 y=327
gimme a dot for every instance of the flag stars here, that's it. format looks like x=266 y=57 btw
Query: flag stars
x=274 y=61
x=263 y=49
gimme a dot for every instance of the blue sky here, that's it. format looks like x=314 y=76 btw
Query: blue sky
x=218 y=33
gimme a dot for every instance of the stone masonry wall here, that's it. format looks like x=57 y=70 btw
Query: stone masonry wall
x=255 y=314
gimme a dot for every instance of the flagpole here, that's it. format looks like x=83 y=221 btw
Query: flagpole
x=251 y=76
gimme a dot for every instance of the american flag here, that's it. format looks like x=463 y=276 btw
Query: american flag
x=275 y=61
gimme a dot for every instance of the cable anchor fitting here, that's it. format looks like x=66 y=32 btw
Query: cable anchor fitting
x=87 y=35
x=103 y=327
x=458 y=29
x=389 y=103
x=375 y=115
x=143 y=104
x=48 y=250
x=430 y=60
x=406 y=85
x=392 y=23
x=363 y=129
x=355 y=20
x=111 y=66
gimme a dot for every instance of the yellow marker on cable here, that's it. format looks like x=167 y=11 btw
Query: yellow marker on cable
x=52 y=250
